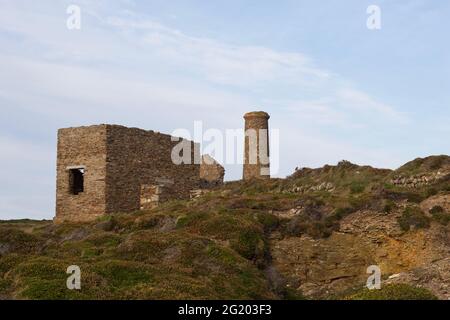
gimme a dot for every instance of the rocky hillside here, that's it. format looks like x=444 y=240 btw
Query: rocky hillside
x=311 y=235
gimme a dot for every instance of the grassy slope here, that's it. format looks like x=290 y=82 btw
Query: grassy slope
x=139 y=256
x=212 y=248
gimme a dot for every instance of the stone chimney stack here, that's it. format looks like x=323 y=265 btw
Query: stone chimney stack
x=256 y=152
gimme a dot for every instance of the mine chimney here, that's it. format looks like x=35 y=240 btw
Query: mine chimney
x=256 y=152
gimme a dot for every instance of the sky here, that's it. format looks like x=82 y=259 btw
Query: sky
x=334 y=88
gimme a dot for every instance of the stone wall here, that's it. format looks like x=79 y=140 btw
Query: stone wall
x=211 y=172
x=417 y=181
x=81 y=147
x=137 y=157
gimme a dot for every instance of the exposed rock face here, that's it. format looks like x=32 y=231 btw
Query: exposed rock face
x=323 y=267
x=438 y=200
x=434 y=277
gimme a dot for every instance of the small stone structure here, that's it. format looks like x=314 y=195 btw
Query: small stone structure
x=256 y=152
x=211 y=172
x=103 y=169
x=197 y=193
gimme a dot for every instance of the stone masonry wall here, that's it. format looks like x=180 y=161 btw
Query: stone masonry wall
x=137 y=157
x=256 y=120
x=118 y=162
x=153 y=195
x=211 y=172
x=81 y=147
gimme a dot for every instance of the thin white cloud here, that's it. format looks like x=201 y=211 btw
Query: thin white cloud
x=221 y=62
x=250 y=66
x=361 y=101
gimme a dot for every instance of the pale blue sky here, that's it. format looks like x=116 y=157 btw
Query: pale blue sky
x=334 y=89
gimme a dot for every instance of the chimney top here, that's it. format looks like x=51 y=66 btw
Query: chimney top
x=256 y=114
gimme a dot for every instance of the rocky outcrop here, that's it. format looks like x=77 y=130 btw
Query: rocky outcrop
x=416 y=181
x=324 y=186
x=434 y=277
x=442 y=201
x=325 y=267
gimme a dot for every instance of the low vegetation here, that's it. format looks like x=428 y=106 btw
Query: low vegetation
x=394 y=292
x=413 y=217
x=215 y=247
x=440 y=215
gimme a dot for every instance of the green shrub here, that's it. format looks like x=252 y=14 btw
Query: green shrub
x=5 y=284
x=43 y=268
x=437 y=162
x=319 y=230
x=103 y=239
x=357 y=187
x=295 y=227
x=8 y=262
x=224 y=226
x=292 y=294
x=440 y=215
x=315 y=229
x=191 y=218
x=123 y=273
x=389 y=205
x=223 y=255
x=414 y=197
x=431 y=192
x=47 y=289
x=394 y=292
x=269 y=221
x=19 y=241
x=249 y=244
x=340 y=213
x=436 y=209
x=413 y=217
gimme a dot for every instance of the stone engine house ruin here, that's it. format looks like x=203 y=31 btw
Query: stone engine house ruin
x=103 y=169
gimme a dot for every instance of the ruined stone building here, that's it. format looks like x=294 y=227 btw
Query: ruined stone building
x=104 y=169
